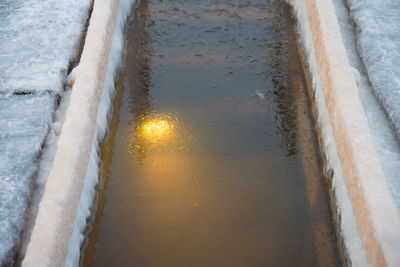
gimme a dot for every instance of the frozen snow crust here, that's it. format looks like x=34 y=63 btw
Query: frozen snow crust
x=378 y=30
x=368 y=219
x=38 y=40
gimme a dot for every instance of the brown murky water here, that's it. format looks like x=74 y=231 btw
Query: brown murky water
x=212 y=157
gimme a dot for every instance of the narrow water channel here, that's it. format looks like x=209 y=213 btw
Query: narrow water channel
x=212 y=157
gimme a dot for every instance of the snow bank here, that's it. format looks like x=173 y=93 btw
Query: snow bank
x=367 y=217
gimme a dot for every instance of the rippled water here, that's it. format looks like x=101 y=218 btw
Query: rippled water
x=212 y=157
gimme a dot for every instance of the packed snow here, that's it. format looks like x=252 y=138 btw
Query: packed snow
x=39 y=40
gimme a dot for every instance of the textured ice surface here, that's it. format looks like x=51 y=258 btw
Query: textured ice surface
x=378 y=33
x=24 y=123
x=38 y=39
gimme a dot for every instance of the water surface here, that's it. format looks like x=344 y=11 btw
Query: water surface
x=212 y=157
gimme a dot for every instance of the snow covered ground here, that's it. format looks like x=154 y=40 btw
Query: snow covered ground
x=39 y=38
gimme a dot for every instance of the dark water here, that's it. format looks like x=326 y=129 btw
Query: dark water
x=212 y=157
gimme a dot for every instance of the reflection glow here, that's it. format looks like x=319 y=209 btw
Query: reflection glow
x=156 y=130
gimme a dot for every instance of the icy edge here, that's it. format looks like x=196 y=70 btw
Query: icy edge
x=92 y=174
x=384 y=136
x=353 y=248
x=367 y=216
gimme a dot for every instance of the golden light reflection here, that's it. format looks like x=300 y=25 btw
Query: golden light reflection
x=156 y=130
x=159 y=132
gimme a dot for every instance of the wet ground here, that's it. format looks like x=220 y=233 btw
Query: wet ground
x=212 y=157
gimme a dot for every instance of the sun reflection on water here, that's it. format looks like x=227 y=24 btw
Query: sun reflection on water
x=156 y=128
x=157 y=132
